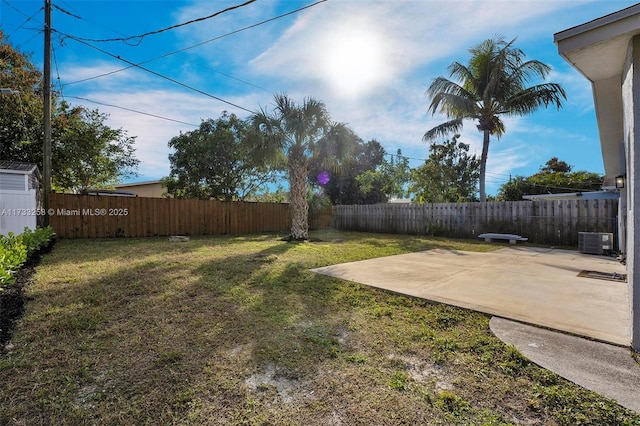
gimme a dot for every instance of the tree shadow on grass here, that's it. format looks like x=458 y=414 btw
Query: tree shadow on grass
x=139 y=341
x=13 y=297
x=202 y=330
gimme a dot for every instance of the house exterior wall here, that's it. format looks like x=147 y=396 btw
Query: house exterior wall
x=606 y=50
x=631 y=192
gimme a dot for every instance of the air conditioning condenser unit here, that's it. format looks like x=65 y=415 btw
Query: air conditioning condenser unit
x=595 y=242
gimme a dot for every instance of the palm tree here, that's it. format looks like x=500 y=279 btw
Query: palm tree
x=293 y=133
x=493 y=84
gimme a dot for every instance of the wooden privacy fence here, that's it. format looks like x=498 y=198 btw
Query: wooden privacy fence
x=321 y=219
x=544 y=222
x=87 y=216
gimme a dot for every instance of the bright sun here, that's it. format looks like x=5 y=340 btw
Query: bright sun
x=353 y=62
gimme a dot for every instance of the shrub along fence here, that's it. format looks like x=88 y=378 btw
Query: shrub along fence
x=543 y=222
x=88 y=216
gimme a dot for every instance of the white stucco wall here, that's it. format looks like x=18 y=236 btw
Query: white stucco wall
x=631 y=116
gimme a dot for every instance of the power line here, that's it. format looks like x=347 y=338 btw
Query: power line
x=133 y=110
x=404 y=157
x=29 y=18
x=97 y=24
x=18 y=10
x=55 y=61
x=38 y=32
x=163 y=76
x=66 y=12
x=142 y=36
x=198 y=44
x=235 y=78
x=493 y=181
x=499 y=174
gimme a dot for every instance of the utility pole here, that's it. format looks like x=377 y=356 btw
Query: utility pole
x=46 y=163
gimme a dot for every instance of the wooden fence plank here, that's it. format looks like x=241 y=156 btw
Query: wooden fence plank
x=544 y=222
x=85 y=216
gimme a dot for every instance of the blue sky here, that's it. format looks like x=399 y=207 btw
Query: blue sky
x=370 y=62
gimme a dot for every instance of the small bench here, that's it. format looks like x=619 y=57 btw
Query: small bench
x=511 y=237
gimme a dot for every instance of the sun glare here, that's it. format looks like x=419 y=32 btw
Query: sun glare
x=353 y=62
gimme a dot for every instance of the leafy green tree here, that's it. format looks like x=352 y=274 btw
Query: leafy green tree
x=449 y=175
x=215 y=162
x=391 y=177
x=555 y=177
x=280 y=195
x=21 y=110
x=557 y=182
x=292 y=134
x=340 y=183
x=515 y=189
x=553 y=165
x=87 y=153
x=493 y=84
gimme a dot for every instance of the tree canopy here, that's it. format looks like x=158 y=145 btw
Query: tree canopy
x=20 y=111
x=215 y=162
x=86 y=152
x=449 y=175
x=390 y=178
x=339 y=181
x=555 y=177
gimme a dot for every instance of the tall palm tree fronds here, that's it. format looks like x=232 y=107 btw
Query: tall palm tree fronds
x=493 y=83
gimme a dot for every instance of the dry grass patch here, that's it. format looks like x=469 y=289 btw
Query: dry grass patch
x=237 y=330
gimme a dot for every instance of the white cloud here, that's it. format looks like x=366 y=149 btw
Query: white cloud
x=577 y=88
x=113 y=77
x=218 y=52
x=406 y=34
x=416 y=40
x=369 y=61
x=152 y=134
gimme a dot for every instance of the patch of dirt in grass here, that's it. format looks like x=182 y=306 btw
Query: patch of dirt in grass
x=85 y=395
x=90 y=393
x=334 y=420
x=272 y=378
x=241 y=352
x=424 y=372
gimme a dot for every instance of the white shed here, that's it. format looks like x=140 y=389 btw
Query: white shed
x=19 y=196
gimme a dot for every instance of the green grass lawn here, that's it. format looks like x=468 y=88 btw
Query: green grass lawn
x=237 y=330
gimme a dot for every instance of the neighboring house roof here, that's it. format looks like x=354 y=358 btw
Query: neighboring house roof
x=132 y=184
x=111 y=192
x=598 y=50
x=594 y=195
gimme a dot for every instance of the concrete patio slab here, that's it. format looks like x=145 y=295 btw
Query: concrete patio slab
x=606 y=369
x=533 y=285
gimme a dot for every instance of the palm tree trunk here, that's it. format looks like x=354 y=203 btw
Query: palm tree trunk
x=298 y=206
x=483 y=165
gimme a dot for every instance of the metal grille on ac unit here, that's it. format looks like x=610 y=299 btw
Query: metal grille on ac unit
x=595 y=242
